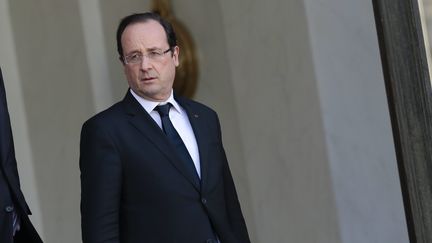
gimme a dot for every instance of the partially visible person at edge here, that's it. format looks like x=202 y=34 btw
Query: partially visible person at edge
x=153 y=168
x=15 y=225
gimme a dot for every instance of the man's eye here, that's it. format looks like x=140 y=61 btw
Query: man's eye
x=153 y=54
x=135 y=56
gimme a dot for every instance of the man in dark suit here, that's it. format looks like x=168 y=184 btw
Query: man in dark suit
x=153 y=168
x=15 y=225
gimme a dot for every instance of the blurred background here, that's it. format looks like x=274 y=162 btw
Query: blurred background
x=297 y=84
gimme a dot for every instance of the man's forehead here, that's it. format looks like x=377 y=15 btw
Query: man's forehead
x=149 y=33
x=148 y=29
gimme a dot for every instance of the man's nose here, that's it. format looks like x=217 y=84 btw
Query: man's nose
x=145 y=63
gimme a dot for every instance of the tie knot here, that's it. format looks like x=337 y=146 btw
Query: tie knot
x=163 y=109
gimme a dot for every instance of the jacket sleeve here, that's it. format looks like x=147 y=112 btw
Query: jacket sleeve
x=100 y=167
x=233 y=208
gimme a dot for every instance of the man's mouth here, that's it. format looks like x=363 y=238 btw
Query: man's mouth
x=147 y=79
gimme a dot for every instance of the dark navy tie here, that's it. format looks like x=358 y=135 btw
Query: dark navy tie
x=177 y=142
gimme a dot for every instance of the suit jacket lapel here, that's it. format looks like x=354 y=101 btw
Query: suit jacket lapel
x=142 y=121
x=199 y=127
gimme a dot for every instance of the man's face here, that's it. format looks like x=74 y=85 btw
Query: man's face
x=152 y=78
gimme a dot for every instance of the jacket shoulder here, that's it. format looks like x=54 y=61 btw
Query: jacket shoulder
x=197 y=106
x=107 y=116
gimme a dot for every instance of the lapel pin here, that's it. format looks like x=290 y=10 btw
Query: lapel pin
x=196 y=116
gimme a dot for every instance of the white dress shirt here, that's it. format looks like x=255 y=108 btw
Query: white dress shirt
x=180 y=121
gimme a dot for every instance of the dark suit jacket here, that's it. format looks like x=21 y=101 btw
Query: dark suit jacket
x=133 y=188
x=11 y=197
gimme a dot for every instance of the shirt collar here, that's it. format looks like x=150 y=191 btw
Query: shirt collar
x=149 y=105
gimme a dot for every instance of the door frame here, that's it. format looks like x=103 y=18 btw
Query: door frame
x=409 y=95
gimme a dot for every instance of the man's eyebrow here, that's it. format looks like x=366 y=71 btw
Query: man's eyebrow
x=139 y=51
x=132 y=52
x=153 y=49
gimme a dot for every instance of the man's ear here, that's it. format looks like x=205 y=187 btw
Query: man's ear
x=175 y=54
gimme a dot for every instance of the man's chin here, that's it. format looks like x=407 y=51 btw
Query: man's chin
x=153 y=95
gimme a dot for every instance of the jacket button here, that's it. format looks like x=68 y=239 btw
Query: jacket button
x=203 y=200
x=9 y=209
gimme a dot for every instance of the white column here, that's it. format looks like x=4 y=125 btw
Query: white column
x=356 y=121
x=96 y=53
